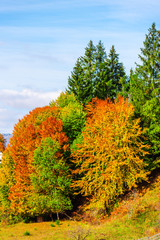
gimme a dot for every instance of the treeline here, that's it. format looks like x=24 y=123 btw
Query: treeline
x=99 y=139
x=96 y=74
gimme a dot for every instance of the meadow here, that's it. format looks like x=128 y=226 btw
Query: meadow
x=113 y=229
x=119 y=229
x=137 y=216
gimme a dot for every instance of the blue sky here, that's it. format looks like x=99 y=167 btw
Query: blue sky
x=41 y=40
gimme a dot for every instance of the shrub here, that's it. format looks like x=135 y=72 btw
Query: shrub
x=26 y=233
x=57 y=222
x=79 y=233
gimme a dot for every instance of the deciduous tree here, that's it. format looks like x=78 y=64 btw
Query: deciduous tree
x=28 y=134
x=110 y=158
x=51 y=182
x=71 y=113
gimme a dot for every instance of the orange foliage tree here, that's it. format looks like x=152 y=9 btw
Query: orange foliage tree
x=27 y=136
x=110 y=158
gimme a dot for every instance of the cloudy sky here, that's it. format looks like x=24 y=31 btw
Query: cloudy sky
x=41 y=40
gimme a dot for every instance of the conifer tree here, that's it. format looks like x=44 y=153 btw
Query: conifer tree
x=116 y=72
x=89 y=65
x=149 y=70
x=96 y=76
x=81 y=82
x=145 y=93
x=76 y=82
x=102 y=82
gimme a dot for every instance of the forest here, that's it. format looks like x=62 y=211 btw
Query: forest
x=96 y=142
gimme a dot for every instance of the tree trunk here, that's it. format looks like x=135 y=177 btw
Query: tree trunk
x=57 y=215
x=51 y=216
x=39 y=219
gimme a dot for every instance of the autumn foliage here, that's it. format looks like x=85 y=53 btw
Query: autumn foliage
x=27 y=136
x=110 y=158
x=37 y=168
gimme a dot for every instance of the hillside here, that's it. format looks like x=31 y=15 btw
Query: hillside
x=137 y=216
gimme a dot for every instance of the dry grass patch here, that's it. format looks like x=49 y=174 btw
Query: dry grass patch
x=69 y=230
x=37 y=231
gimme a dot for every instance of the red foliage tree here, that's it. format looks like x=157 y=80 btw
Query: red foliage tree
x=27 y=136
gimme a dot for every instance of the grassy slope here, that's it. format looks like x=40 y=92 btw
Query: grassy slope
x=137 y=216
x=113 y=230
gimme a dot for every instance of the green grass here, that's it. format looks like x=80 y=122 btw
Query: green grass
x=136 y=217
x=113 y=229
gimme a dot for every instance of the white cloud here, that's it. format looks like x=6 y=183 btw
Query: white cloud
x=8 y=117
x=26 y=98
x=16 y=104
x=35 y=62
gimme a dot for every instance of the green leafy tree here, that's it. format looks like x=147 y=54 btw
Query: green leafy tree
x=71 y=113
x=145 y=93
x=50 y=180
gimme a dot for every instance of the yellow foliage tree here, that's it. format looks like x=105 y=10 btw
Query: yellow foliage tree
x=110 y=158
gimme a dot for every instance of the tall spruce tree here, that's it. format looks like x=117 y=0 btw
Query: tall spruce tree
x=116 y=72
x=89 y=62
x=81 y=82
x=76 y=82
x=145 y=93
x=150 y=58
x=102 y=82
x=96 y=76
